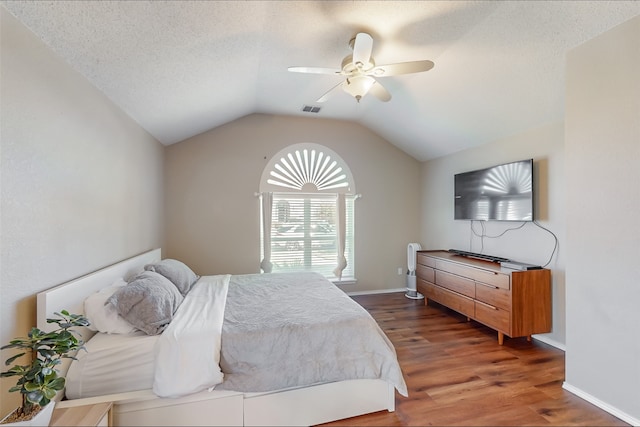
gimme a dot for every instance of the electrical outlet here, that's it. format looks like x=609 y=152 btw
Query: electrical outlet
x=399 y=271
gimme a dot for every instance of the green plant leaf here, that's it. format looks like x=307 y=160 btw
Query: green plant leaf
x=11 y=359
x=31 y=386
x=50 y=393
x=35 y=397
x=38 y=381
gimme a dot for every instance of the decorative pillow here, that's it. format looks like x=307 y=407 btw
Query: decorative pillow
x=103 y=316
x=177 y=272
x=148 y=302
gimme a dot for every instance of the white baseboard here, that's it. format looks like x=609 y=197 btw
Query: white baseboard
x=552 y=343
x=378 y=291
x=602 y=405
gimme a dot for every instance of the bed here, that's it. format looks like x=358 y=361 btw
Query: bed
x=263 y=314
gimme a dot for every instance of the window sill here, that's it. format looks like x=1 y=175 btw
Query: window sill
x=344 y=281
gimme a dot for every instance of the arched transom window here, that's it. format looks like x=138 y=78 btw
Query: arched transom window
x=308 y=196
x=309 y=168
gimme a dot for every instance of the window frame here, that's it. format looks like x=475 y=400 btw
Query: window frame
x=310 y=171
x=311 y=248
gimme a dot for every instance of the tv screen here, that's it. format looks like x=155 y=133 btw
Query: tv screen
x=500 y=193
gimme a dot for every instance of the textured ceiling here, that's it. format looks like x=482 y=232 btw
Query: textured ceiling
x=180 y=68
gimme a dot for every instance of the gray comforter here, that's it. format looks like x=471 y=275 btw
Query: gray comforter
x=298 y=329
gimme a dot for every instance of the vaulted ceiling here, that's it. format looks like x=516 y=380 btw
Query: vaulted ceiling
x=180 y=68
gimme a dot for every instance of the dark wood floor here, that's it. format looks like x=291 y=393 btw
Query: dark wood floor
x=457 y=374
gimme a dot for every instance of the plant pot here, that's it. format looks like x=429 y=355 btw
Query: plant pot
x=42 y=418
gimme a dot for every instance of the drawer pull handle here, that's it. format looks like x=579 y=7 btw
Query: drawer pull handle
x=488 y=286
x=487 y=305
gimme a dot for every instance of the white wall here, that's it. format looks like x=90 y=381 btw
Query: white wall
x=529 y=244
x=81 y=182
x=212 y=214
x=603 y=228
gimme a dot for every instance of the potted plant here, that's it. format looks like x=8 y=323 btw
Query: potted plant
x=38 y=379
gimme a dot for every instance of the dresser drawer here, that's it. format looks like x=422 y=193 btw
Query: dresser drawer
x=422 y=285
x=493 y=317
x=456 y=283
x=454 y=301
x=425 y=273
x=426 y=260
x=493 y=295
x=490 y=277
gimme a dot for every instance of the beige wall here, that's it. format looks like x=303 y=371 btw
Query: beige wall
x=212 y=214
x=603 y=209
x=529 y=244
x=81 y=182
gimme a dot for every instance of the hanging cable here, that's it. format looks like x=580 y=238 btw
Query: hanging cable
x=555 y=245
x=483 y=233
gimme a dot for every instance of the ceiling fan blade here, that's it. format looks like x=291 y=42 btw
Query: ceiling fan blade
x=380 y=92
x=401 y=68
x=314 y=70
x=362 y=47
x=330 y=93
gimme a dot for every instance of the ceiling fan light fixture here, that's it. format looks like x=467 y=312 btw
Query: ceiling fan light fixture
x=358 y=86
x=360 y=70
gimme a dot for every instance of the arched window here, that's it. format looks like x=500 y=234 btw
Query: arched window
x=308 y=196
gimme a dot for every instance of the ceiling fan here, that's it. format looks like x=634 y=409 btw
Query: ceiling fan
x=361 y=72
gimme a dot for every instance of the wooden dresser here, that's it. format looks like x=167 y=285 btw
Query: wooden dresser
x=514 y=303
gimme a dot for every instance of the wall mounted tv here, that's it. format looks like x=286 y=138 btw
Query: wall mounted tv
x=499 y=193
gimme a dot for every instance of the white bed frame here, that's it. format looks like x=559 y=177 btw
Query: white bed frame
x=302 y=406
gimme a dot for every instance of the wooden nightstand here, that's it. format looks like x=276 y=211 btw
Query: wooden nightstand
x=98 y=414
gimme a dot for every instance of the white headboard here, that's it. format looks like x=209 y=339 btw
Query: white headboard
x=70 y=296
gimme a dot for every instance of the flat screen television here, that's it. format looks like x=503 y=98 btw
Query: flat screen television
x=499 y=193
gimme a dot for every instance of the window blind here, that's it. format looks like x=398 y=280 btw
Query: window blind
x=304 y=233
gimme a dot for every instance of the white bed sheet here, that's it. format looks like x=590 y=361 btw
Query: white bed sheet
x=188 y=351
x=118 y=363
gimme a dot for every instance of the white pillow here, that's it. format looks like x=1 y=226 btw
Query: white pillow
x=103 y=316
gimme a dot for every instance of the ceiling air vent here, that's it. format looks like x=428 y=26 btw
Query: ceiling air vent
x=310 y=109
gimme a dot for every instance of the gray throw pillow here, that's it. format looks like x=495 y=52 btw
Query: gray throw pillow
x=177 y=272
x=148 y=302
